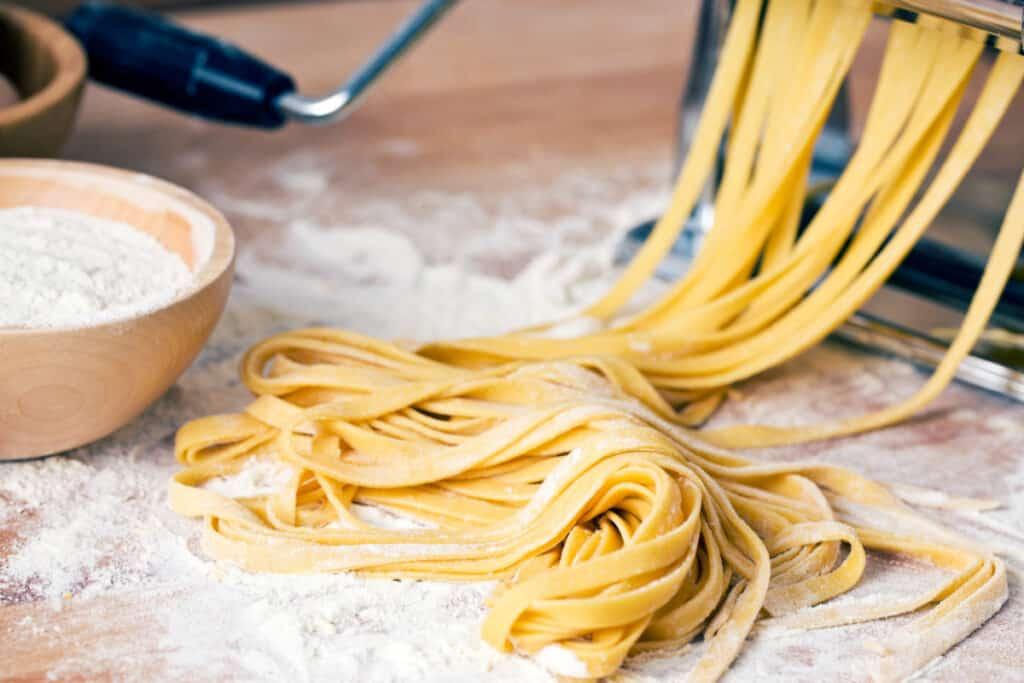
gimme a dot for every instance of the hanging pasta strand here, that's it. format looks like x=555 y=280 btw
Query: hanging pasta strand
x=689 y=343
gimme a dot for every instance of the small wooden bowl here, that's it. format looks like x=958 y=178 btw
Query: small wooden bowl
x=47 y=66
x=62 y=388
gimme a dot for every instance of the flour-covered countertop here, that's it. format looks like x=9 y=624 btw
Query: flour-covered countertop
x=481 y=188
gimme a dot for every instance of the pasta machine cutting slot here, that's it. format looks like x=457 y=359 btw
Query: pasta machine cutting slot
x=935 y=271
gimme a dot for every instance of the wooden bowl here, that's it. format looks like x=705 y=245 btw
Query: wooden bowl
x=47 y=66
x=62 y=388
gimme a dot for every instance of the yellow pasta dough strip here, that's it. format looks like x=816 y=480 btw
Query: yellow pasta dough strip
x=638 y=533
x=567 y=468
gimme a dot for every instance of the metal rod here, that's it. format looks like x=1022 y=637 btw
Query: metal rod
x=999 y=17
x=335 y=105
x=712 y=23
x=882 y=336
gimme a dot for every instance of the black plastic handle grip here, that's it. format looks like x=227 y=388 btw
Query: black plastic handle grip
x=146 y=55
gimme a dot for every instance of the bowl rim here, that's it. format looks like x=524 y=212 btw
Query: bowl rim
x=67 y=53
x=219 y=260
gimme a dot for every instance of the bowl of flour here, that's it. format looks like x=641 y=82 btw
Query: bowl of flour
x=110 y=284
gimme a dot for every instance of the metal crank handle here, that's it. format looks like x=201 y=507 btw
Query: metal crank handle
x=147 y=55
x=337 y=104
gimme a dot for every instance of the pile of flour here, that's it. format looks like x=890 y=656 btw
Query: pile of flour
x=63 y=268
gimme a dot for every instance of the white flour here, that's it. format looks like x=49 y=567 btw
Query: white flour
x=257 y=477
x=562 y=661
x=67 y=269
x=440 y=264
x=103 y=571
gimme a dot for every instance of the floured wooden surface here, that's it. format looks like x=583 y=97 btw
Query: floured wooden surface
x=102 y=580
x=424 y=216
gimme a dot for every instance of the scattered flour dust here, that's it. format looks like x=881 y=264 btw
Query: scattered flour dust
x=1015 y=497
x=87 y=541
x=376 y=281
x=562 y=661
x=259 y=476
x=62 y=268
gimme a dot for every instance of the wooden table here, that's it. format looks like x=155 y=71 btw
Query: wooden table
x=510 y=98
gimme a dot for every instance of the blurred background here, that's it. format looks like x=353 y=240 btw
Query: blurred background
x=509 y=121
x=62 y=6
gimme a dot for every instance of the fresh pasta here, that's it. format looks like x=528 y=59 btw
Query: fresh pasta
x=724 y=321
x=572 y=471
x=613 y=527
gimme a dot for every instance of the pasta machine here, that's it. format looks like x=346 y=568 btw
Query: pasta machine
x=933 y=270
x=1003 y=20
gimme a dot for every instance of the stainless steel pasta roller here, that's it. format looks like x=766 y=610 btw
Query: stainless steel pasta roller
x=998 y=18
x=933 y=270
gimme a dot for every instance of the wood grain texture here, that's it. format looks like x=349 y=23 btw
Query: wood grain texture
x=62 y=7
x=504 y=98
x=63 y=388
x=47 y=67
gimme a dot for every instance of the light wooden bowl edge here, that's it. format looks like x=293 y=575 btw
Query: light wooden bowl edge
x=67 y=53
